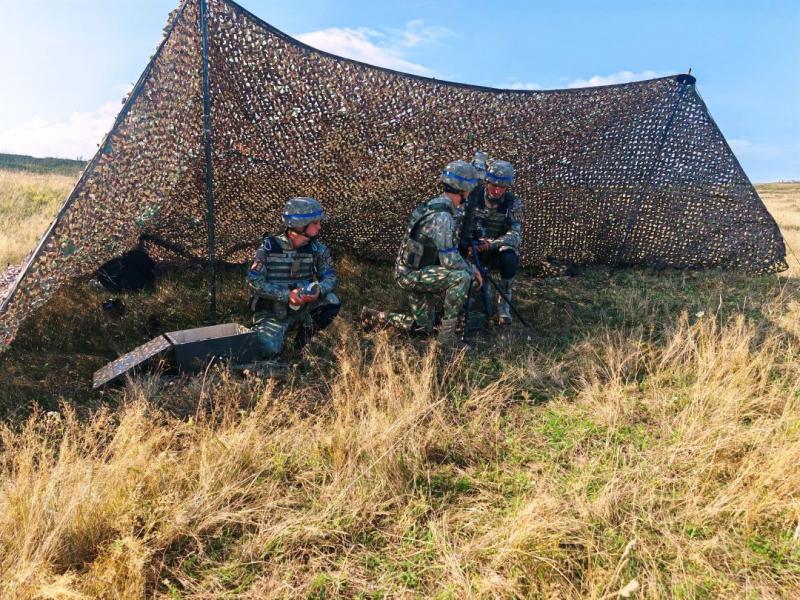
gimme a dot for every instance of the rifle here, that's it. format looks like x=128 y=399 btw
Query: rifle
x=488 y=305
x=465 y=238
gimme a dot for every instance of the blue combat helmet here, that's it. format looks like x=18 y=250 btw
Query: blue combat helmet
x=299 y=212
x=501 y=172
x=460 y=175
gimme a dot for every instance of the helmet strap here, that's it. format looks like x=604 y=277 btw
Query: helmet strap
x=449 y=189
x=299 y=231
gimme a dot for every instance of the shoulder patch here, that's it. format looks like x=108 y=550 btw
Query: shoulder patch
x=271 y=245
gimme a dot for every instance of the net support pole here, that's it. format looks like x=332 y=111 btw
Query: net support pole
x=212 y=250
x=684 y=83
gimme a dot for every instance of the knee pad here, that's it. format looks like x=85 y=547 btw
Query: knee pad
x=324 y=315
x=507 y=263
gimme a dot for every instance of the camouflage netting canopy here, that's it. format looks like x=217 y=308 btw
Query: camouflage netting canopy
x=634 y=174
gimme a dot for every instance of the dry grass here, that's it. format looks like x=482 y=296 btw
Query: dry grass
x=645 y=443
x=672 y=463
x=783 y=201
x=28 y=203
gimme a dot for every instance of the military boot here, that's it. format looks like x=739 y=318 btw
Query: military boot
x=447 y=336
x=372 y=319
x=503 y=309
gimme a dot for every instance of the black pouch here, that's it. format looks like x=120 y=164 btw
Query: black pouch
x=412 y=253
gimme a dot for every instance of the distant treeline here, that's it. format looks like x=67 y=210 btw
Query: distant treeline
x=61 y=166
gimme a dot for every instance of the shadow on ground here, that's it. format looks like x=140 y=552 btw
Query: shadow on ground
x=60 y=346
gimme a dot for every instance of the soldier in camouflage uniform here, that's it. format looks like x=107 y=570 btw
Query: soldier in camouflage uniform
x=291 y=280
x=428 y=262
x=497 y=225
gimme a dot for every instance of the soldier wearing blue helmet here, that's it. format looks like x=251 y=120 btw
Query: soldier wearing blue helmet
x=428 y=262
x=497 y=225
x=291 y=280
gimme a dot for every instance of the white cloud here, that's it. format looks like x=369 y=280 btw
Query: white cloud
x=522 y=85
x=620 y=77
x=382 y=49
x=74 y=135
x=416 y=33
x=740 y=146
x=763 y=151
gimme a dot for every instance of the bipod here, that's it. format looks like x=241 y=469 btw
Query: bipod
x=486 y=277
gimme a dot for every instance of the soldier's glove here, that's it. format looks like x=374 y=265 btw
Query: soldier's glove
x=483 y=245
x=296 y=297
x=314 y=296
x=478 y=279
x=304 y=295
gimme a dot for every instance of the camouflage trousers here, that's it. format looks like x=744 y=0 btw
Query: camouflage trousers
x=423 y=286
x=272 y=331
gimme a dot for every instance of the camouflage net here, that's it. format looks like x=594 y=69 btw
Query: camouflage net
x=636 y=173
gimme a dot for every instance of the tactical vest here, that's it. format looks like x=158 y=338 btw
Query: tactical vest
x=286 y=266
x=497 y=220
x=418 y=250
x=294 y=268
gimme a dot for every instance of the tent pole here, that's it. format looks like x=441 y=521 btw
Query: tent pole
x=212 y=251
x=685 y=82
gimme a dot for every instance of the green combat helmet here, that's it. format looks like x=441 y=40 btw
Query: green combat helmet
x=299 y=212
x=460 y=175
x=500 y=172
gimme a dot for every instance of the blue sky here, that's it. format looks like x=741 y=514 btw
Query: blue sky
x=67 y=63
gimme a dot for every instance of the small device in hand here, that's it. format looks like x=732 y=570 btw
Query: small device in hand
x=310 y=289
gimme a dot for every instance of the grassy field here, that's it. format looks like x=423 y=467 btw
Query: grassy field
x=28 y=203
x=642 y=440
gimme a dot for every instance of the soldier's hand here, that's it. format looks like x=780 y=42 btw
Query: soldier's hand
x=478 y=279
x=296 y=297
x=484 y=245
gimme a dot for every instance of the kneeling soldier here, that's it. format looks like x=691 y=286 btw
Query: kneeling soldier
x=292 y=279
x=498 y=227
x=429 y=262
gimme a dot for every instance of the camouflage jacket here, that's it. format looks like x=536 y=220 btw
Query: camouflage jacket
x=499 y=221
x=443 y=227
x=278 y=268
